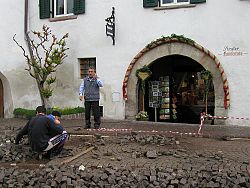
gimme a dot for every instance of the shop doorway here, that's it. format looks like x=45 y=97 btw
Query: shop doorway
x=190 y=51
x=181 y=89
x=1 y=100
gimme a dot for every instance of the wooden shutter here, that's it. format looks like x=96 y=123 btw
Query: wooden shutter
x=79 y=6
x=44 y=8
x=197 y=1
x=150 y=3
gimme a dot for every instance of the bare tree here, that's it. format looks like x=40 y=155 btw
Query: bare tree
x=45 y=55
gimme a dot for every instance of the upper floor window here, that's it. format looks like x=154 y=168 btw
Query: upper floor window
x=174 y=2
x=157 y=3
x=59 y=8
x=63 y=7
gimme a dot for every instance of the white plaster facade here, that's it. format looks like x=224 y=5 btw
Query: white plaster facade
x=215 y=25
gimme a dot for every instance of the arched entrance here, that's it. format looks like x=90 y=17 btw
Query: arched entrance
x=173 y=46
x=6 y=102
x=178 y=80
x=1 y=100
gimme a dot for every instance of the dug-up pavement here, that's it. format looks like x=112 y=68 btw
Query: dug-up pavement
x=130 y=154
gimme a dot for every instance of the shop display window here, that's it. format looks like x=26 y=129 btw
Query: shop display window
x=179 y=97
x=190 y=88
x=165 y=100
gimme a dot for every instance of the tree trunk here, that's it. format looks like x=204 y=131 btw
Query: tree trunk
x=40 y=91
x=47 y=103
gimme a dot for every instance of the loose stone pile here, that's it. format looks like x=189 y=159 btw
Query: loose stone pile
x=15 y=153
x=54 y=176
x=150 y=139
x=9 y=152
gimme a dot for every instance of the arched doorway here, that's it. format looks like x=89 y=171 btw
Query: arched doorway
x=6 y=101
x=168 y=46
x=181 y=90
x=1 y=100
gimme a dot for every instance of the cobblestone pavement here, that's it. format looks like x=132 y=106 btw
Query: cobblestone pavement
x=117 y=149
x=176 y=148
x=210 y=145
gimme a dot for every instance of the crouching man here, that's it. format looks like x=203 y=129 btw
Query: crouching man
x=44 y=134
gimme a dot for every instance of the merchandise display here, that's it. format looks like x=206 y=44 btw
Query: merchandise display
x=179 y=97
x=154 y=94
x=165 y=101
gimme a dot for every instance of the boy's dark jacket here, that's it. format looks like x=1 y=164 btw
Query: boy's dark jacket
x=39 y=130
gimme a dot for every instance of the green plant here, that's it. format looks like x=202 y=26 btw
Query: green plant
x=142 y=115
x=144 y=69
x=21 y=112
x=180 y=38
x=76 y=110
x=46 y=92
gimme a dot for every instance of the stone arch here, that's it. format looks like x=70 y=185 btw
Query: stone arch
x=7 y=97
x=173 y=46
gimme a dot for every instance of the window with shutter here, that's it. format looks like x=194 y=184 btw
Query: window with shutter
x=63 y=7
x=197 y=1
x=60 y=8
x=180 y=2
x=174 y=2
x=79 y=6
x=44 y=6
x=150 y=3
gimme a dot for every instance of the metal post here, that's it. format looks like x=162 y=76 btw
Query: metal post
x=155 y=114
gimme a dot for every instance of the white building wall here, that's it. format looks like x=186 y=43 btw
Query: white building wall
x=19 y=88
x=214 y=25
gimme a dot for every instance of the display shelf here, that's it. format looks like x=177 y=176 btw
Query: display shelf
x=154 y=94
x=165 y=100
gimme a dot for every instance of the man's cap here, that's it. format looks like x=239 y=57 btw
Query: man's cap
x=56 y=113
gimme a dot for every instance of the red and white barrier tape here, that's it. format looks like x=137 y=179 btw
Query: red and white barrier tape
x=139 y=131
x=110 y=130
x=224 y=117
x=203 y=116
x=202 y=119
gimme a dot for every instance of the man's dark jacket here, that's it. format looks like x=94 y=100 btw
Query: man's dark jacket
x=39 y=129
